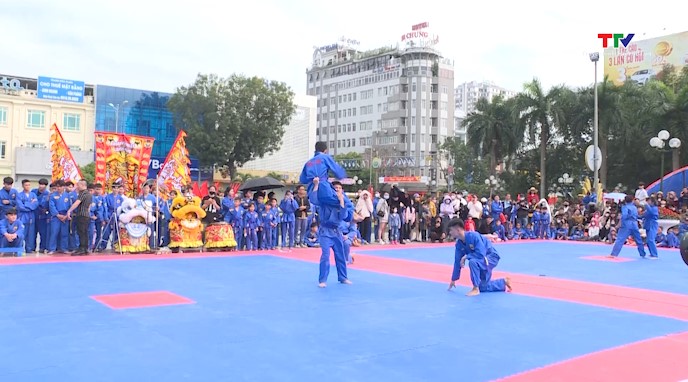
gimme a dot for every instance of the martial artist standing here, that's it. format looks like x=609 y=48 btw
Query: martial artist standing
x=27 y=204
x=482 y=259
x=42 y=214
x=8 y=197
x=650 y=224
x=330 y=235
x=629 y=227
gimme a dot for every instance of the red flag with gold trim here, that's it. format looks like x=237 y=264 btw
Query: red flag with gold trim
x=122 y=159
x=63 y=165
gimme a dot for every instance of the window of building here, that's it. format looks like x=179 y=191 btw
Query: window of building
x=32 y=145
x=331 y=144
x=35 y=119
x=370 y=109
x=349 y=112
x=3 y=116
x=354 y=95
x=413 y=121
x=339 y=128
x=340 y=113
x=413 y=87
x=3 y=148
x=353 y=112
x=443 y=122
x=333 y=115
x=75 y=148
x=353 y=126
x=71 y=122
x=339 y=99
x=413 y=138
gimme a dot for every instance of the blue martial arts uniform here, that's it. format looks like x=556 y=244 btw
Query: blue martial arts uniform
x=6 y=227
x=251 y=224
x=235 y=217
x=8 y=199
x=629 y=227
x=112 y=203
x=288 y=208
x=650 y=217
x=496 y=209
x=93 y=217
x=536 y=224
x=545 y=220
x=42 y=218
x=330 y=237
x=319 y=167
x=27 y=204
x=274 y=239
x=267 y=220
x=99 y=211
x=482 y=259
x=59 y=230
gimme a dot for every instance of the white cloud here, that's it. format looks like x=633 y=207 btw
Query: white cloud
x=160 y=46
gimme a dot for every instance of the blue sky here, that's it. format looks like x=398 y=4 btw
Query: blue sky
x=162 y=45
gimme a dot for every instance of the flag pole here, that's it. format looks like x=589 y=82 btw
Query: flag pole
x=157 y=212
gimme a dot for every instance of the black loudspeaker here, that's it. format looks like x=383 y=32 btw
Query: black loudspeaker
x=684 y=248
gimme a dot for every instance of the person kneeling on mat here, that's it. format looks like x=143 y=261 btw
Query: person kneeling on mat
x=482 y=259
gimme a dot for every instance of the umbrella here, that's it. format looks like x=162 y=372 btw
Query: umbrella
x=615 y=196
x=260 y=184
x=684 y=248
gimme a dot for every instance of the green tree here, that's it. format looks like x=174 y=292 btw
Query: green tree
x=541 y=112
x=89 y=172
x=469 y=172
x=275 y=175
x=241 y=177
x=230 y=121
x=493 y=130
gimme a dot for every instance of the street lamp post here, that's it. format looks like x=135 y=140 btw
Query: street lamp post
x=594 y=57
x=493 y=183
x=658 y=143
x=117 y=107
x=565 y=182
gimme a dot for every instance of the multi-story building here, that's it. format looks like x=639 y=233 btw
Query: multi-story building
x=468 y=93
x=460 y=131
x=298 y=144
x=28 y=108
x=392 y=105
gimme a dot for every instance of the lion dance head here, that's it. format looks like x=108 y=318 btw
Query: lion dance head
x=186 y=228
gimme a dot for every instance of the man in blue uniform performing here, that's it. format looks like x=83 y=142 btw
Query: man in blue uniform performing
x=629 y=227
x=319 y=168
x=482 y=259
x=330 y=235
x=650 y=217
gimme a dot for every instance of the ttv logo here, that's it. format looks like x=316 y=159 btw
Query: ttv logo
x=617 y=37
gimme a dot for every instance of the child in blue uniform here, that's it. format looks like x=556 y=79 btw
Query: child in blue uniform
x=251 y=224
x=312 y=237
x=319 y=168
x=268 y=220
x=288 y=207
x=11 y=230
x=482 y=259
x=235 y=217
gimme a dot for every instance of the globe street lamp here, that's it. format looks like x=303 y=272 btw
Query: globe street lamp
x=493 y=183
x=658 y=143
x=566 y=182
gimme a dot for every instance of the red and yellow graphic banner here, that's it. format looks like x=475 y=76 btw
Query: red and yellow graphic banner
x=62 y=162
x=122 y=159
x=175 y=172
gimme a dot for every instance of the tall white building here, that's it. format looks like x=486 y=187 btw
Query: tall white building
x=389 y=104
x=468 y=93
x=298 y=143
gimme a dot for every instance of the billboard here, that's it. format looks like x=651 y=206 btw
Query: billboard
x=57 y=89
x=641 y=60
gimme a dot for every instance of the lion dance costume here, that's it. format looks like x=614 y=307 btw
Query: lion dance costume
x=186 y=229
x=133 y=218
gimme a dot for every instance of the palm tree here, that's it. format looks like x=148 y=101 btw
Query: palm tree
x=274 y=174
x=493 y=131
x=540 y=113
x=242 y=177
x=669 y=107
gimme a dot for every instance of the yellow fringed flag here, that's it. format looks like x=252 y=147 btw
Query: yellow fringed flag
x=175 y=172
x=61 y=160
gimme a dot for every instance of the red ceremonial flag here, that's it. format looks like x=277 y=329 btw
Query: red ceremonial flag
x=174 y=172
x=63 y=165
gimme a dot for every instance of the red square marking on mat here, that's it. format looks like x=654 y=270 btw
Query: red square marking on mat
x=141 y=300
x=605 y=258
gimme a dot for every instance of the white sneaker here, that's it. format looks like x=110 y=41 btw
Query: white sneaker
x=346 y=282
x=322 y=285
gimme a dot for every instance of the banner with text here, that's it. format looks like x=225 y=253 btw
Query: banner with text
x=122 y=159
x=62 y=162
x=641 y=60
